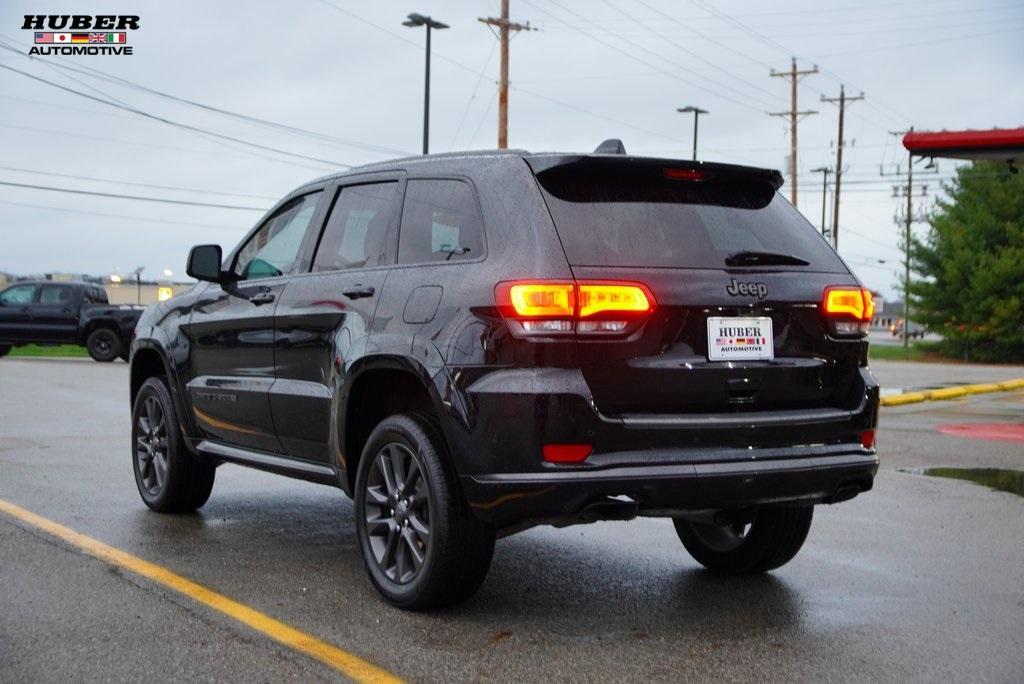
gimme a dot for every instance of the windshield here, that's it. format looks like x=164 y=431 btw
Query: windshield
x=638 y=215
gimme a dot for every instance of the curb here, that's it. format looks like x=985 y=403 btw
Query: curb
x=947 y=393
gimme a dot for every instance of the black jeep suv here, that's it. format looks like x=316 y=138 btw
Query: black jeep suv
x=473 y=344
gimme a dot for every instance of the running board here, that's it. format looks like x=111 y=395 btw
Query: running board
x=303 y=470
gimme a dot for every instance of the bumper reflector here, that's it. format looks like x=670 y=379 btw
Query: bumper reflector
x=867 y=439
x=567 y=453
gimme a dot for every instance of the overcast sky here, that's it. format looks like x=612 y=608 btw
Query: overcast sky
x=592 y=70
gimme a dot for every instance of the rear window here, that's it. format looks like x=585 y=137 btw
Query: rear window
x=636 y=215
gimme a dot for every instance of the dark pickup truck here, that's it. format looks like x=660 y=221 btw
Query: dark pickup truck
x=49 y=312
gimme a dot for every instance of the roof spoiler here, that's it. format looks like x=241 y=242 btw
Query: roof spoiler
x=611 y=146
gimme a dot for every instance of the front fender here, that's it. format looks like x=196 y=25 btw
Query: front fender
x=155 y=339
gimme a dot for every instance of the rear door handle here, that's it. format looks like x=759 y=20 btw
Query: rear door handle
x=262 y=298
x=358 y=292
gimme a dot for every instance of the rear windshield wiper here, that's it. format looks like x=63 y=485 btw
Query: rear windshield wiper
x=750 y=258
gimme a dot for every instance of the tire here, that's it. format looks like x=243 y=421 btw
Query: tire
x=4 y=348
x=103 y=344
x=169 y=478
x=771 y=540
x=446 y=565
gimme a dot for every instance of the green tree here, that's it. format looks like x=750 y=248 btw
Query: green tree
x=970 y=266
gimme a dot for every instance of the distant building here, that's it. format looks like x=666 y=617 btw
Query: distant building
x=145 y=294
x=122 y=291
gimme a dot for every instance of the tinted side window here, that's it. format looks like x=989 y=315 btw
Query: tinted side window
x=99 y=296
x=55 y=294
x=357 y=228
x=440 y=222
x=19 y=294
x=273 y=250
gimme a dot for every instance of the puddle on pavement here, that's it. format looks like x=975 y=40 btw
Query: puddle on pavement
x=994 y=478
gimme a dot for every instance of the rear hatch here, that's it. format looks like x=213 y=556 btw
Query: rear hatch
x=737 y=275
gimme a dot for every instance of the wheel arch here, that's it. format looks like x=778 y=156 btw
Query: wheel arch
x=96 y=323
x=380 y=386
x=148 y=360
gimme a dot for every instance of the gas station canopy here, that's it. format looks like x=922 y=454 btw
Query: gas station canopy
x=997 y=144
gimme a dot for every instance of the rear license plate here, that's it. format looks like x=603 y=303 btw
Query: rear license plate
x=733 y=339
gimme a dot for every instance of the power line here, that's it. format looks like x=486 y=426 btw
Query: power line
x=130 y=197
x=695 y=55
x=117 y=80
x=831 y=22
x=469 y=104
x=635 y=58
x=582 y=110
x=156 y=146
x=760 y=36
x=122 y=217
x=903 y=44
x=475 y=72
x=169 y=122
x=816 y=11
x=237 y=115
x=141 y=185
x=64 y=106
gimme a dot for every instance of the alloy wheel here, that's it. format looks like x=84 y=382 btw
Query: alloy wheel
x=151 y=446
x=101 y=345
x=397 y=513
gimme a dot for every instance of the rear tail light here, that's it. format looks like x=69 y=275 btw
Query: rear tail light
x=867 y=439
x=559 y=307
x=849 y=309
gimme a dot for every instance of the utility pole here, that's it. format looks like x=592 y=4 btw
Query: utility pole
x=824 y=171
x=794 y=75
x=906 y=248
x=907 y=222
x=505 y=28
x=843 y=100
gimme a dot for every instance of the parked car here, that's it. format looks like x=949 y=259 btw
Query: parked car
x=902 y=329
x=49 y=313
x=473 y=344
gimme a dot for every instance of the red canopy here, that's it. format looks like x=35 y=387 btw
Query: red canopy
x=999 y=144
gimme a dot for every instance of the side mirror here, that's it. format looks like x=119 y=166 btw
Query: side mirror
x=204 y=263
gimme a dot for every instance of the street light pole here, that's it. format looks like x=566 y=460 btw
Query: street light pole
x=824 y=171
x=697 y=111
x=138 y=284
x=415 y=20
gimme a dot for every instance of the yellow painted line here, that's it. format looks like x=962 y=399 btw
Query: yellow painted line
x=1012 y=384
x=348 y=664
x=901 y=399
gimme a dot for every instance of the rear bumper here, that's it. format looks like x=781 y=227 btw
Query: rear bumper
x=581 y=496
x=659 y=463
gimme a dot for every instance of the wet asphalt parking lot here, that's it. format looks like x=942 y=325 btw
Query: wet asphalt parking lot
x=921 y=579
